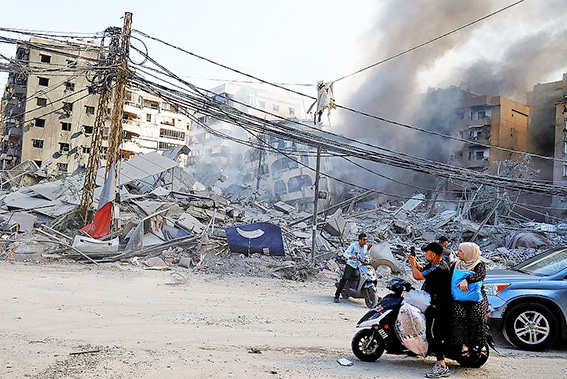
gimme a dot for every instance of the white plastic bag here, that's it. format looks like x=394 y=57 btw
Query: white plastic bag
x=411 y=329
x=418 y=298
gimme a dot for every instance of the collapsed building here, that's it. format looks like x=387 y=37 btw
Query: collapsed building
x=180 y=215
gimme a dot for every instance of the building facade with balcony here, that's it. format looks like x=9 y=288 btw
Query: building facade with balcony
x=547 y=133
x=48 y=114
x=49 y=117
x=151 y=124
x=493 y=121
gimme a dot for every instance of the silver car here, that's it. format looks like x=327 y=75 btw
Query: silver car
x=529 y=300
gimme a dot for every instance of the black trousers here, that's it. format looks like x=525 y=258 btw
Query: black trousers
x=437 y=322
x=349 y=271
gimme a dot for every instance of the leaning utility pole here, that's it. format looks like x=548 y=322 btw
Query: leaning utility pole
x=105 y=92
x=119 y=54
x=315 y=205
x=115 y=133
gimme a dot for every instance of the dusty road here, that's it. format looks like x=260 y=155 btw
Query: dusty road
x=119 y=321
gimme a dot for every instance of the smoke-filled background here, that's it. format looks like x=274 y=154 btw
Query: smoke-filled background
x=505 y=55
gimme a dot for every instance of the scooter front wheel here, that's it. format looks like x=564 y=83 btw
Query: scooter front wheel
x=370 y=297
x=367 y=345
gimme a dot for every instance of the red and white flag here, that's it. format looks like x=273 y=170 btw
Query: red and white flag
x=100 y=226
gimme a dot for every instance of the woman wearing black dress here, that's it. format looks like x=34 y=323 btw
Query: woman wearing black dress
x=469 y=317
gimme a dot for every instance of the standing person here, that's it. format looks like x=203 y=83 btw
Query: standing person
x=437 y=284
x=448 y=254
x=353 y=254
x=470 y=327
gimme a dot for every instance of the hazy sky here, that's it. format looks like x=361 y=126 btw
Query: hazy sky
x=293 y=41
x=302 y=41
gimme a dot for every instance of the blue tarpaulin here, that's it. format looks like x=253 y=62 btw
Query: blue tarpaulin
x=261 y=237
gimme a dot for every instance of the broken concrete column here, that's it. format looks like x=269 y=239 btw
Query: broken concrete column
x=381 y=254
x=336 y=224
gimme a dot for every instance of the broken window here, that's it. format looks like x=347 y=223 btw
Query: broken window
x=71 y=62
x=43 y=82
x=481 y=115
x=63 y=167
x=68 y=107
x=63 y=146
x=88 y=129
x=66 y=126
x=297 y=182
x=479 y=155
x=291 y=112
x=41 y=101
x=38 y=163
x=45 y=58
x=37 y=143
x=280 y=188
x=460 y=115
x=148 y=117
x=69 y=86
x=89 y=110
x=40 y=122
x=276 y=107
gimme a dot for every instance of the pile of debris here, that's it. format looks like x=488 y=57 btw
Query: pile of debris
x=166 y=218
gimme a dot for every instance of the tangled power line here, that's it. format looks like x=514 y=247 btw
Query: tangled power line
x=198 y=101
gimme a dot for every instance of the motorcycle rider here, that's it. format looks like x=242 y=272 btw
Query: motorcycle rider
x=353 y=254
x=438 y=284
x=448 y=255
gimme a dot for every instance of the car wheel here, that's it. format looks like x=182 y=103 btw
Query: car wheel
x=531 y=326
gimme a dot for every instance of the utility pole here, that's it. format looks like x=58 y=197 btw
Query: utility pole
x=315 y=205
x=93 y=162
x=115 y=134
x=260 y=172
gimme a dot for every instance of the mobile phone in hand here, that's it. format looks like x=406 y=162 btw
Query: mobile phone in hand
x=412 y=251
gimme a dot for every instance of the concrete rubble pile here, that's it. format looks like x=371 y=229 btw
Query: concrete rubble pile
x=168 y=219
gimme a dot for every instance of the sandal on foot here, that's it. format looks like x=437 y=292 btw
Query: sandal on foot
x=483 y=352
x=465 y=353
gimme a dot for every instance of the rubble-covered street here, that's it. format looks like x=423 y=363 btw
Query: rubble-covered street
x=193 y=190
x=183 y=305
x=119 y=321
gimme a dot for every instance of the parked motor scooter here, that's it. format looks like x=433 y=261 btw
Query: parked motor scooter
x=362 y=284
x=379 y=334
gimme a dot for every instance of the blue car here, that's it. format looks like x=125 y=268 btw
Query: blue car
x=529 y=300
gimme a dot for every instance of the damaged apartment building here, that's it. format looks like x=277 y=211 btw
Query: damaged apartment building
x=287 y=176
x=49 y=114
x=489 y=120
x=266 y=170
x=49 y=117
x=483 y=121
x=547 y=129
x=250 y=99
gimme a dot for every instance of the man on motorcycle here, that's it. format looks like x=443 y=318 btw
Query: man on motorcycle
x=438 y=284
x=353 y=254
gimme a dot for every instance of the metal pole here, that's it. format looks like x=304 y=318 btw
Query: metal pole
x=315 y=204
